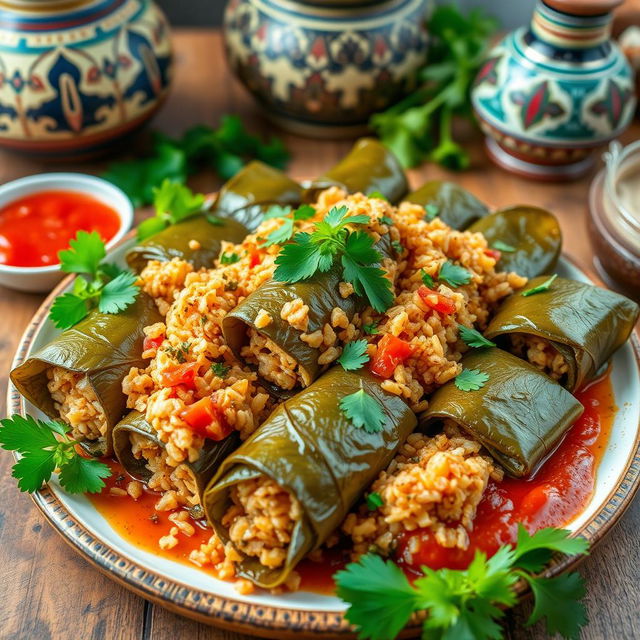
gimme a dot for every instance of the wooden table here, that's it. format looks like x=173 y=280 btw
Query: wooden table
x=51 y=592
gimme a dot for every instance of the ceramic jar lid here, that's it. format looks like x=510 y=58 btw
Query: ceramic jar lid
x=584 y=7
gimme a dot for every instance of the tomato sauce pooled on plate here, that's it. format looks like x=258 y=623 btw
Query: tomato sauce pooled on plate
x=557 y=494
x=34 y=228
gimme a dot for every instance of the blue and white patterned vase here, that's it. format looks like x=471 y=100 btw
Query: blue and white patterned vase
x=76 y=75
x=552 y=93
x=322 y=70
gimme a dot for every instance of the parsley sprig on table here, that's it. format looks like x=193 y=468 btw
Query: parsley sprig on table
x=173 y=202
x=104 y=285
x=420 y=127
x=310 y=253
x=44 y=446
x=225 y=149
x=466 y=603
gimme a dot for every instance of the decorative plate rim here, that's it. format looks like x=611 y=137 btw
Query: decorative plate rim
x=270 y=621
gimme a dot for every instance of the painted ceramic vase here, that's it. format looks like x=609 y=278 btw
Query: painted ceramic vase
x=552 y=93
x=76 y=75
x=323 y=70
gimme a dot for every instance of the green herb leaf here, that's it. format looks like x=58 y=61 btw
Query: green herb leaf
x=397 y=247
x=304 y=212
x=545 y=286
x=150 y=227
x=297 y=260
x=374 y=501
x=386 y=220
x=229 y=258
x=471 y=380
x=85 y=254
x=380 y=596
x=473 y=338
x=176 y=202
x=533 y=552
x=214 y=220
x=370 y=329
x=280 y=235
x=369 y=282
x=454 y=275
x=277 y=211
x=220 y=369
x=427 y=279
x=558 y=600
x=67 y=310
x=378 y=195
x=44 y=446
x=354 y=355
x=498 y=245
x=118 y=294
x=431 y=211
x=364 y=411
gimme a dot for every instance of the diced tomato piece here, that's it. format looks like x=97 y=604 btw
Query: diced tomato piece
x=255 y=258
x=437 y=301
x=183 y=374
x=391 y=352
x=493 y=253
x=152 y=343
x=206 y=419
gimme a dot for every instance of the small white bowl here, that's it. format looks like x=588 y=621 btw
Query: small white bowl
x=42 y=279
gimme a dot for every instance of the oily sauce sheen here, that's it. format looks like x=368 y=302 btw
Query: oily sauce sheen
x=34 y=228
x=552 y=498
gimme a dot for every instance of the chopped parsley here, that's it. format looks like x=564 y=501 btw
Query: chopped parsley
x=220 y=369
x=427 y=279
x=180 y=352
x=102 y=285
x=229 y=258
x=310 y=253
x=44 y=446
x=370 y=329
x=386 y=220
x=374 y=501
x=431 y=211
x=545 y=286
x=466 y=603
x=284 y=232
x=397 y=247
x=473 y=338
x=503 y=246
x=454 y=275
x=471 y=380
x=354 y=355
x=173 y=202
x=364 y=411
x=378 y=195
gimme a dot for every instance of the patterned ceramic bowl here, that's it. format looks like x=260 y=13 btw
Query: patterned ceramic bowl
x=320 y=70
x=75 y=75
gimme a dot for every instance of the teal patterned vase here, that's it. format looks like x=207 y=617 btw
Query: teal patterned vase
x=75 y=75
x=552 y=93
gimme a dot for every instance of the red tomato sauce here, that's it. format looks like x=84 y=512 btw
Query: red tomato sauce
x=34 y=228
x=553 y=497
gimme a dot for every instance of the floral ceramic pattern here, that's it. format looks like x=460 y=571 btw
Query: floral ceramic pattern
x=72 y=80
x=325 y=66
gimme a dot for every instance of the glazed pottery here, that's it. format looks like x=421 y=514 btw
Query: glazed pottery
x=550 y=94
x=76 y=75
x=323 y=70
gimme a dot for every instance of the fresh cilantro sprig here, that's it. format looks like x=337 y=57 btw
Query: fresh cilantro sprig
x=173 y=202
x=374 y=501
x=44 y=447
x=354 y=355
x=364 y=411
x=466 y=603
x=420 y=127
x=225 y=149
x=229 y=258
x=544 y=286
x=454 y=275
x=310 y=253
x=473 y=338
x=100 y=284
x=378 y=196
x=471 y=379
x=289 y=217
x=220 y=369
x=370 y=329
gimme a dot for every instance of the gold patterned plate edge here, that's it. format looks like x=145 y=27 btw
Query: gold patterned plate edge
x=269 y=621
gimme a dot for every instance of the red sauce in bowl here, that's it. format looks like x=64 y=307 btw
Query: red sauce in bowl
x=34 y=228
x=557 y=494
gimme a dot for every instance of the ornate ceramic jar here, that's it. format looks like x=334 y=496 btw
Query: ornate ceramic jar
x=75 y=75
x=323 y=70
x=551 y=93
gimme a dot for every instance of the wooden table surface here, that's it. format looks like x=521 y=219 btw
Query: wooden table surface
x=51 y=592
